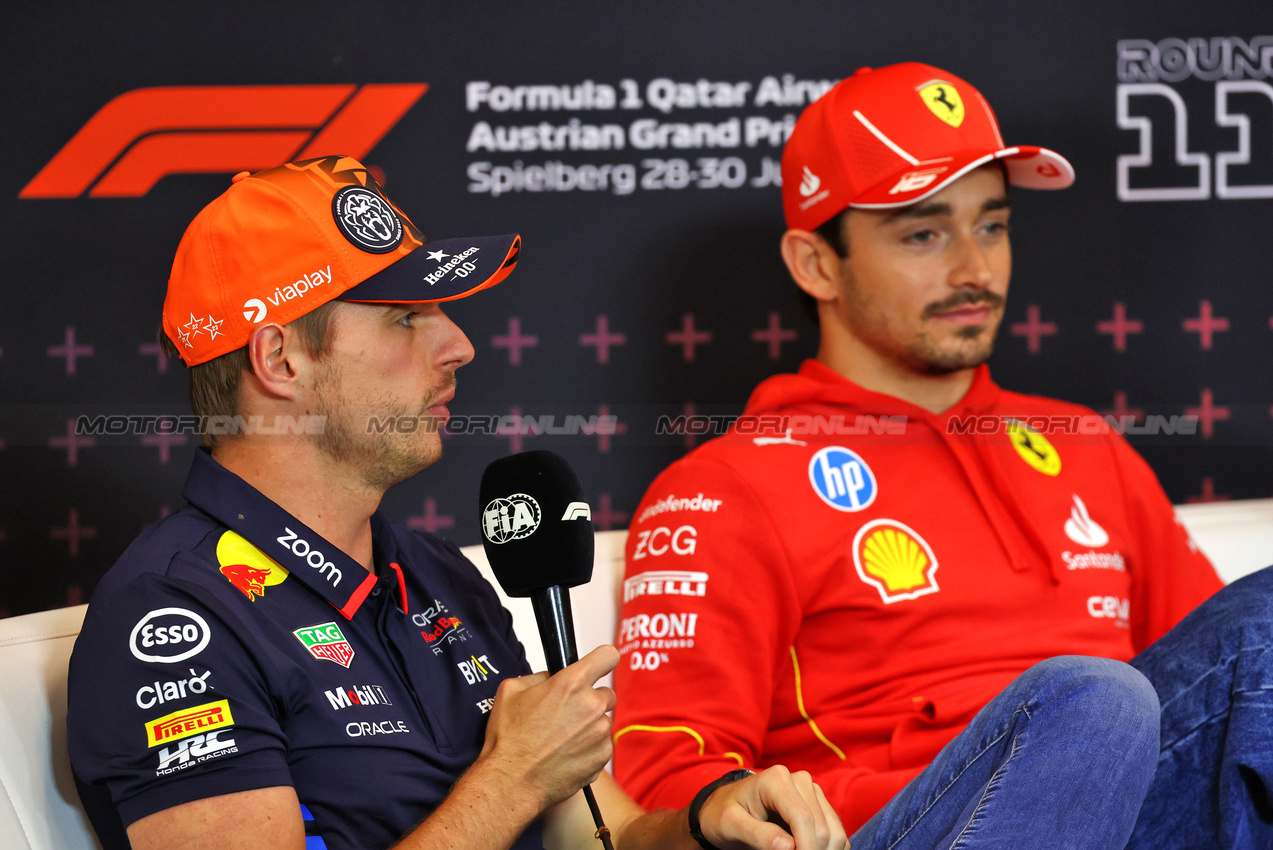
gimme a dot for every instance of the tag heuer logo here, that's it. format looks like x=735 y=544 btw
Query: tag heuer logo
x=326 y=643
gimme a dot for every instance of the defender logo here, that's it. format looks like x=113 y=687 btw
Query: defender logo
x=511 y=518
x=944 y=101
x=810 y=183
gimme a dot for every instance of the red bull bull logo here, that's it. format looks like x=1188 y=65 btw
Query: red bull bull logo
x=247 y=567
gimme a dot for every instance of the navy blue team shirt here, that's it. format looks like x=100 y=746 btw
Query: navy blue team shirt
x=232 y=648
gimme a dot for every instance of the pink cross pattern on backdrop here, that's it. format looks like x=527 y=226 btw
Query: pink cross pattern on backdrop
x=690 y=410
x=1119 y=327
x=73 y=533
x=603 y=440
x=514 y=434
x=1207 y=414
x=514 y=341
x=163 y=440
x=1120 y=408
x=153 y=349
x=603 y=339
x=431 y=521
x=687 y=337
x=605 y=516
x=1208 y=493
x=775 y=335
x=1205 y=325
x=72 y=443
x=1033 y=329
x=70 y=350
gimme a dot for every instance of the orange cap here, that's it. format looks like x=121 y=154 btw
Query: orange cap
x=281 y=242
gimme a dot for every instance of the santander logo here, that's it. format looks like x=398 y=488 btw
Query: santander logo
x=809 y=183
x=1082 y=529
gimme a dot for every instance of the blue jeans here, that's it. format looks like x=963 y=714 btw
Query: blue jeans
x=1214 y=677
x=1061 y=759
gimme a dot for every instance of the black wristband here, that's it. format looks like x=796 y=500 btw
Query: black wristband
x=696 y=805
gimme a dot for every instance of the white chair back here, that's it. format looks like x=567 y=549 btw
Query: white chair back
x=39 y=807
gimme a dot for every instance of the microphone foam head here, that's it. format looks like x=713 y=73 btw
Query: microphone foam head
x=536 y=523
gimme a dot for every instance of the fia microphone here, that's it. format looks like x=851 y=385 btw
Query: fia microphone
x=537 y=533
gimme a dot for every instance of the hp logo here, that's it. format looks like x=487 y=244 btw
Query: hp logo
x=842 y=479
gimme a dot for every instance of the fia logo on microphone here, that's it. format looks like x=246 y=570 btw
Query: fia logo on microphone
x=510 y=518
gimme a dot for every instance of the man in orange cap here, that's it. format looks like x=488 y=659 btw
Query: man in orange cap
x=275 y=665
x=892 y=539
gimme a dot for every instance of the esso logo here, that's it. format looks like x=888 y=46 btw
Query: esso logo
x=169 y=634
x=842 y=479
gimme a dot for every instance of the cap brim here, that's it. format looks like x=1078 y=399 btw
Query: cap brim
x=1028 y=166
x=441 y=270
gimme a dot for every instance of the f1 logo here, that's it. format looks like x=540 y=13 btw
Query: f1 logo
x=144 y=135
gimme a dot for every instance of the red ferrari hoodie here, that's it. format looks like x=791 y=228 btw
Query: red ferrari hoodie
x=843 y=579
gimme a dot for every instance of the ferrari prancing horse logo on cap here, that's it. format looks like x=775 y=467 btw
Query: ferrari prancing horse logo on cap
x=943 y=101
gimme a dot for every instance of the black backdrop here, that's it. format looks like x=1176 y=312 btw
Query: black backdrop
x=1183 y=234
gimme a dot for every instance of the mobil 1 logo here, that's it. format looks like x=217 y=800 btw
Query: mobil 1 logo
x=842 y=479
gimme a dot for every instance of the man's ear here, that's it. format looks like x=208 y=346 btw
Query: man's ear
x=272 y=357
x=813 y=264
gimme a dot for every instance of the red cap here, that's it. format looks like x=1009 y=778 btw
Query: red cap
x=888 y=137
x=281 y=242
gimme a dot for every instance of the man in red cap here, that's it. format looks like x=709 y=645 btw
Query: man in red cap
x=275 y=665
x=887 y=539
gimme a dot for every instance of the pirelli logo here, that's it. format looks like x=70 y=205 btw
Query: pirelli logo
x=189 y=721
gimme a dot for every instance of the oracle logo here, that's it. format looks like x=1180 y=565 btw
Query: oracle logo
x=144 y=135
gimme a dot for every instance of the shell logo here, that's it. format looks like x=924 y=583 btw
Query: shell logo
x=892 y=557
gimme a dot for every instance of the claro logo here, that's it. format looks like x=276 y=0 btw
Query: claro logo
x=144 y=135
